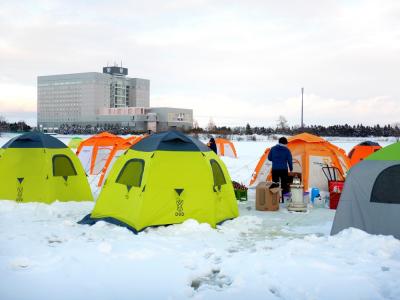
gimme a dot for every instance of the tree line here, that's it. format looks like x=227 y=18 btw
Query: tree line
x=345 y=130
x=20 y=126
x=282 y=127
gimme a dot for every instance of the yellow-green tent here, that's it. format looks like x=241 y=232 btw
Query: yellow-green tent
x=35 y=167
x=74 y=142
x=166 y=178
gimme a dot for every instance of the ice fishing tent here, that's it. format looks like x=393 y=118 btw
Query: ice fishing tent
x=225 y=148
x=370 y=199
x=40 y=168
x=95 y=151
x=74 y=142
x=310 y=154
x=166 y=178
x=362 y=150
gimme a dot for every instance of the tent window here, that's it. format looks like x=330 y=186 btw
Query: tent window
x=132 y=172
x=63 y=166
x=219 y=178
x=387 y=186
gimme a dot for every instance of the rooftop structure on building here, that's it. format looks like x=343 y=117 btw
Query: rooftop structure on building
x=107 y=98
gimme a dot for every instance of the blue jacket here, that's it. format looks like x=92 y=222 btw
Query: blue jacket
x=281 y=158
x=213 y=146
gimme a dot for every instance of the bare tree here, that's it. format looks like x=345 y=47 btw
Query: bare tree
x=211 y=125
x=282 y=123
x=195 y=124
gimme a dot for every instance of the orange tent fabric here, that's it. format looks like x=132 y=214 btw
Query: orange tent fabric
x=362 y=150
x=135 y=138
x=225 y=148
x=310 y=153
x=116 y=152
x=94 y=151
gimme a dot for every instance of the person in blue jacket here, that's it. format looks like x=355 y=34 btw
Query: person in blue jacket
x=212 y=145
x=281 y=159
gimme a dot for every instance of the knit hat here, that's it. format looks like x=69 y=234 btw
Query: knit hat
x=283 y=141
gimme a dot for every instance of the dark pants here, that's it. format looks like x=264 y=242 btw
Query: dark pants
x=283 y=176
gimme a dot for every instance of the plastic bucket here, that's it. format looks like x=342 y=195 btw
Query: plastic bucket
x=314 y=193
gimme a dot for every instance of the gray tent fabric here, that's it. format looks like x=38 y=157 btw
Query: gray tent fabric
x=357 y=207
x=170 y=141
x=34 y=140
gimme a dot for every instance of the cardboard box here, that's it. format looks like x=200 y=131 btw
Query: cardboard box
x=267 y=198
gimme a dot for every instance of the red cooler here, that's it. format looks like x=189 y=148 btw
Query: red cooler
x=335 y=190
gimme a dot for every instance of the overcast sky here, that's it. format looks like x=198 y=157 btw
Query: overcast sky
x=234 y=61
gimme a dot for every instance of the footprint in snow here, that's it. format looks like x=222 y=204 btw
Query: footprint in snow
x=21 y=263
x=275 y=291
x=53 y=240
x=214 y=280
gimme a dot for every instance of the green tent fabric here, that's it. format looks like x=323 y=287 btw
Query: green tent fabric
x=391 y=152
x=74 y=142
x=371 y=196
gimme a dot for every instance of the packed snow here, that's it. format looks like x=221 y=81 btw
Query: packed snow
x=260 y=255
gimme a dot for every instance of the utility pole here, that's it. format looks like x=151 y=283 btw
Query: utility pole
x=302 y=123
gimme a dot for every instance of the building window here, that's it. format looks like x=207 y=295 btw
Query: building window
x=181 y=116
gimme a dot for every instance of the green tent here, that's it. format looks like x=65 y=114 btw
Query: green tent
x=391 y=152
x=371 y=196
x=74 y=142
x=35 y=167
x=166 y=178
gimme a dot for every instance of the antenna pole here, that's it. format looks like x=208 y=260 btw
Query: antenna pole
x=302 y=123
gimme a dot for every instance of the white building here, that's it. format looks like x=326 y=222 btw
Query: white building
x=96 y=99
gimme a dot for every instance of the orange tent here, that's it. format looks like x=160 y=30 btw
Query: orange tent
x=362 y=150
x=94 y=151
x=116 y=152
x=225 y=148
x=310 y=153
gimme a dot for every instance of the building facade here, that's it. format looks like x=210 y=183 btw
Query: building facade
x=108 y=98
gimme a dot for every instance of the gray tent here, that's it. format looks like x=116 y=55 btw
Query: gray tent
x=371 y=197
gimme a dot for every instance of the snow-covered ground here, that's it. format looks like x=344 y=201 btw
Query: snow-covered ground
x=45 y=254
